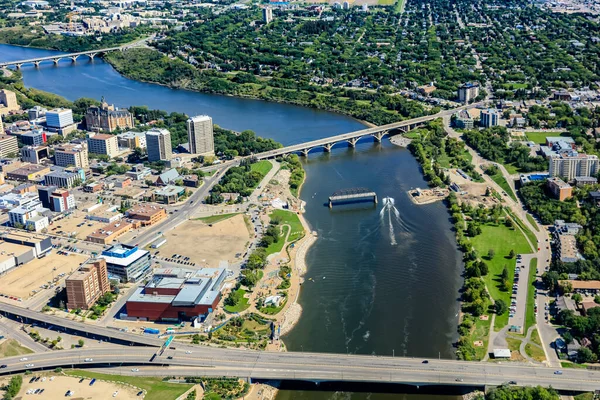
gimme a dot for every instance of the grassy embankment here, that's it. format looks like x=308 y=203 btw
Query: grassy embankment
x=503 y=183
x=263 y=167
x=241 y=305
x=213 y=219
x=155 y=387
x=11 y=348
x=289 y=222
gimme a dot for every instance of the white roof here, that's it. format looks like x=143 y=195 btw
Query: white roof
x=501 y=353
x=200 y=118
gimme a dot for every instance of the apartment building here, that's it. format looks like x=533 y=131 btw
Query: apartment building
x=87 y=284
x=572 y=164
x=103 y=144
x=72 y=155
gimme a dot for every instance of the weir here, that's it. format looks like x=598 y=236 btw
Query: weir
x=354 y=195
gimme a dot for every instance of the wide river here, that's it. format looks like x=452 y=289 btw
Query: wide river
x=381 y=279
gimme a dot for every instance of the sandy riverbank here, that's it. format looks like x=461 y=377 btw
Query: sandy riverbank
x=400 y=140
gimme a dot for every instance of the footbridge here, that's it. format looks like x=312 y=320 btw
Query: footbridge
x=186 y=360
x=73 y=56
x=353 y=195
x=352 y=138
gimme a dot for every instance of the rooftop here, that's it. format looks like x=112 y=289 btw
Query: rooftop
x=120 y=255
x=145 y=210
x=102 y=136
x=110 y=229
x=582 y=285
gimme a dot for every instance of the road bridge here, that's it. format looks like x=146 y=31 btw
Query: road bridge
x=213 y=361
x=73 y=56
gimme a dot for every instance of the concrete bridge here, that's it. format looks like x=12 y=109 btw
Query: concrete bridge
x=353 y=137
x=73 y=56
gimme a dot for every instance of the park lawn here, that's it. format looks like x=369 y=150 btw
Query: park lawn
x=514 y=85
x=289 y=218
x=502 y=182
x=213 y=219
x=385 y=2
x=540 y=137
x=239 y=307
x=273 y=310
x=276 y=247
x=481 y=332
x=155 y=387
x=535 y=337
x=535 y=352
x=513 y=343
x=532 y=222
x=569 y=364
x=511 y=168
x=532 y=238
x=530 y=306
x=502 y=240
x=11 y=348
x=263 y=167
x=400 y=5
x=584 y=396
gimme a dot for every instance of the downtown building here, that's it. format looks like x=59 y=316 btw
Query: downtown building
x=127 y=263
x=103 y=144
x=72 y=155
x=572 y=165
x=107 y=118
x=158 y=144
x=200 y=135
x=87 y=284
x=468 y=92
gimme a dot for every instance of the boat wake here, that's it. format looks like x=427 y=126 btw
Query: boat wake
x=392 y=214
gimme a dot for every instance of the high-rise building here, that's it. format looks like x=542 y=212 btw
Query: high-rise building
x=34 y=154
x=571 y=165
x=489 y=118
x=128 y=263
x=36 y=112
x=59 y=118
x=87 y=284
x=200 y=135
x=8 y=145
x=468 y=92
x=267 y=14
x=71 y=155
x=158 y=143
x=8 y=101
x=103 y=144
x=107 y=118
x=132 y=140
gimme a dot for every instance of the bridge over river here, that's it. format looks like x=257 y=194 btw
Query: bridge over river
x=212 y=361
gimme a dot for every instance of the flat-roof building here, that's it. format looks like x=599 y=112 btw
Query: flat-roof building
x=41 y=244
x=178 y=295
x=103 y=144
x=158 y=143
x=9 y=145
x=29 y=172
x=128 y=263
x=34 y=154
x=87 y=284
x=200 y=135
x=573 y=164
x=107 y=234
x=72 y=155
x=132 y=140
x=559 y=188
x=147 y=214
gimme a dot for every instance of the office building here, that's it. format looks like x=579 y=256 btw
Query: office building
x=35 y=137
x=489 y=118
x=29 y=216
x=41 y=245
x=72 y=155
x=573 y=164
x=107 y=118
x=62 y=179
x=267 y=14
x=45 y=195
x=34 y=154
x=127 y=263
x=559 y=188
x=8 y=102
x=176 y=294
x=103 y=144
x=463 y=120
x=36 y=112
x=9 y=145
x=61 y=200
x=468 y=92
x=200 y=135
x=131 y=140
x=139 y=172
x=87 y=284
x=158 y=143
x=28 y=172
x=59 y=118
x=110 y=232
x=147 y=214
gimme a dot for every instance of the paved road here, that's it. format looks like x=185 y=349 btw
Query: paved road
x=518 y=318
x=314 y=366
x=12 y=329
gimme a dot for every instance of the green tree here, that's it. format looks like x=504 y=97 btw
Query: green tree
x=511 y=254
x=491 y=254
x=577 y=298
x=500 y=307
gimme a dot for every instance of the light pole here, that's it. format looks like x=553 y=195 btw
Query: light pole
x=393 y=353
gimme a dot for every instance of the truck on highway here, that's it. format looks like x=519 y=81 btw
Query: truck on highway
x=151 y=331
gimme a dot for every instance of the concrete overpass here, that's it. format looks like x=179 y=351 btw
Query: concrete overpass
x=213 y=361
x=316 y=367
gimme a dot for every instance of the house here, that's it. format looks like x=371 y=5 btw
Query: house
x=167 y=177
x=191 y=181
x=595 y=197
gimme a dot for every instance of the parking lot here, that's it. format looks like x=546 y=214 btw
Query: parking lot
x=22 y=281
x=518 y=305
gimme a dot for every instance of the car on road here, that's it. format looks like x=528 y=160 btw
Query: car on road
x=28 y=365
x=115 y=393
x=425 y=362
x=23 y=359
x=92 y=381
x=88 y=360
x=188 y=352
x=558 y=372
x=458 y=379
x=81 y=380
x=3 y=366
x=135 y=370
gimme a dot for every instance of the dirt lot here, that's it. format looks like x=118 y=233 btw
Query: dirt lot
x=69 y=224
x=207 y=245
x=20 y=281
x=59 y=385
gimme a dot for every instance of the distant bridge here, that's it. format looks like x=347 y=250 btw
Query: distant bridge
x=351 y=196
x=353 y=137
x=73 y=56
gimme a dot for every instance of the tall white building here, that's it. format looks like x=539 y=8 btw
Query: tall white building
x=103 y=144
x=59 y=118
x=267 y=14
x=572 y=164
x=468 y=92
x=158 y=143
x=200 y=135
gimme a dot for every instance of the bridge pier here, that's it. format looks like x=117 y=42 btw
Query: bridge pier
x=92 y=55
x=74 y=58
x=379 y=135
x=55 y=61
x=305 y=152
x=328 y=147
x=18 y=66
x=37 y=64
x=352 y=142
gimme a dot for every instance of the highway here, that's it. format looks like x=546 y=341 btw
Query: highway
x=211 y=361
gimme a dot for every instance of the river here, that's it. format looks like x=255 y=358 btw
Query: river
x=384 y=280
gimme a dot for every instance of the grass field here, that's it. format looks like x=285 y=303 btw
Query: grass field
x=400 y=5
x=540 y=137
x=532 y=238
x=535 y=337
x=513 y=344
x=481 y=332
x=535 y=352
x=276 y=247
x=213 y=219
x=532 y=222
x=501 y=181
x=289 y=218
x=11 y=347
x=155 y=387
x=502 y=239
x=239 y=307
x=514 y=86
x=263 y=167
x=529 y=310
